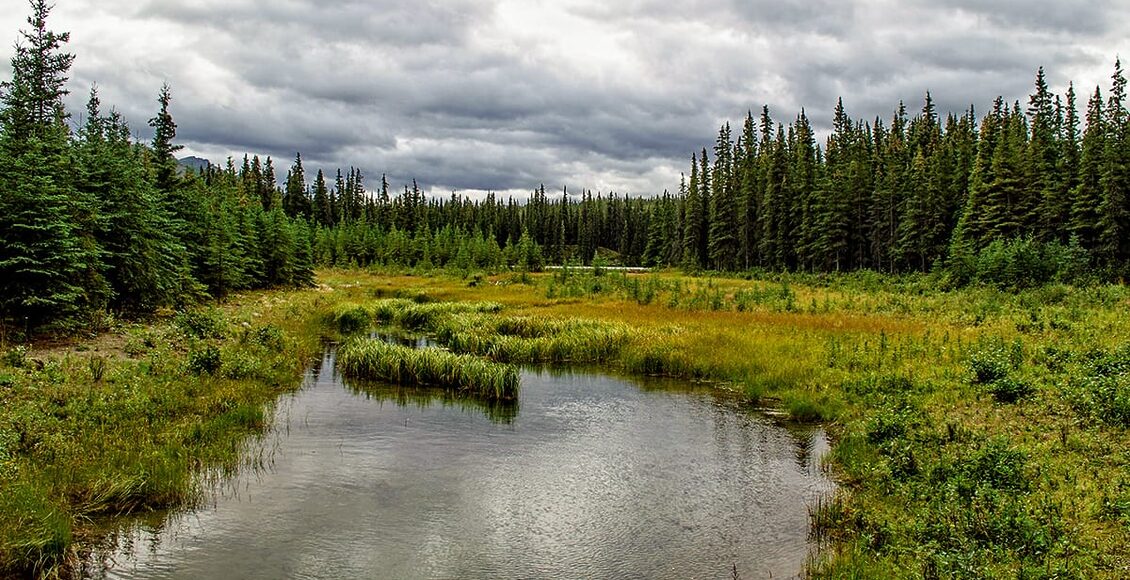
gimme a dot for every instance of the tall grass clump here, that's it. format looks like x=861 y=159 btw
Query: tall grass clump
x=414 y=315
x=374 y=359
x=349 y=318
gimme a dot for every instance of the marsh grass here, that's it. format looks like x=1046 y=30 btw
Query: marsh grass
x=946 y=473
x=88 y=437
x=375 y=359
x=977 y=432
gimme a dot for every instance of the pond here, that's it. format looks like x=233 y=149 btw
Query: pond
x=588 y=476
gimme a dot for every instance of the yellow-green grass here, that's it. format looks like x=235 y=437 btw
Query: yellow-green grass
x=375 y=359
x=140 y=418
x=943 y=473
x=920 y=431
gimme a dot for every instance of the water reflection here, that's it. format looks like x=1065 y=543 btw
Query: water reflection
x=596 y=477
x=496 y=410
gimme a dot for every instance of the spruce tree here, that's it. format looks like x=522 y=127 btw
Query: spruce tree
x=144 y=263
x=1114 y=208
x=48 y=269
x=296 y=200
x=323 y=212
x=1088 y=193
x=724 y=226
x=749 y=184
x=164 y=131
x=1042 y=154
x=694 y=217
x=832 y=197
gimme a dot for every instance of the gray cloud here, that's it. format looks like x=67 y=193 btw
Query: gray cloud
x=508 y=94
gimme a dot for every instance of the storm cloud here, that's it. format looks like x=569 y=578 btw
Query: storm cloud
x=504 y=95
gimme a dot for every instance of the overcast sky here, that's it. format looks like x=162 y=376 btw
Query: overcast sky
x=506 y=94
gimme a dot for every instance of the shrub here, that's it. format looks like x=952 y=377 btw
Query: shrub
x=890 y=424
x=202 y=324
x=269 y=336
x=999 y=466
x=206 y=360
x=1022 y=263
x=1009 y=390
x=16 y=356
x=1102 y=390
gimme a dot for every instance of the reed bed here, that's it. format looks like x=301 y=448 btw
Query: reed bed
x=374 y=359
x=423 y=316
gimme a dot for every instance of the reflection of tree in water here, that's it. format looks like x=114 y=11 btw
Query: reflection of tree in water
x=497 y=411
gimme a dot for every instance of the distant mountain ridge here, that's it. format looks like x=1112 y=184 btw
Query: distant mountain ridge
x=192 y=163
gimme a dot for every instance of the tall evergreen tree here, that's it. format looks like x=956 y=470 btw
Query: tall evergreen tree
x=48 y=270
x=1088 y=193
x=144 y=263
x=724 y=226
x=296 y=199
x=749 y=192
x=694 y=218
x=1042 y=176
x=323 y=211
x=1114 y=208
x=164 y=131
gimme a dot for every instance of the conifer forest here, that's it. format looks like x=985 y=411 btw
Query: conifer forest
x=94 y=220
x=925 y=313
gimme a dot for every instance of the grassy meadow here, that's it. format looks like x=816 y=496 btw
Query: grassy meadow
x=977 y=433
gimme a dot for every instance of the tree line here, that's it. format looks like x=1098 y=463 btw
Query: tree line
x=92 y=222
x=1036 y=190
x=915 y=194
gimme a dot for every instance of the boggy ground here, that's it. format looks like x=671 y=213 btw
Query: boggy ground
x=977 y=433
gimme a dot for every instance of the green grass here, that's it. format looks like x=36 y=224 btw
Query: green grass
x=976 y=432
x=86 y=436
x=375 y=359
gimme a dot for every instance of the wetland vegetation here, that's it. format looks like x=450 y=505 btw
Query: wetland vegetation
x=985 y=439
x=946 y=297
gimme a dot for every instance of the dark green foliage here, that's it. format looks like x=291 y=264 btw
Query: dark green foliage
x=1102 y=387
x=92 y=220
x=994 y=365
x=1013 y=199
x=204 y=360
x=202 y=324
x=164 y=131
x=1009 y=389
x=48 y=263
x=144 y=263
x=1022 y=263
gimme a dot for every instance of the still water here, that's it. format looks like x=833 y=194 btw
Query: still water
x=589 y=476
